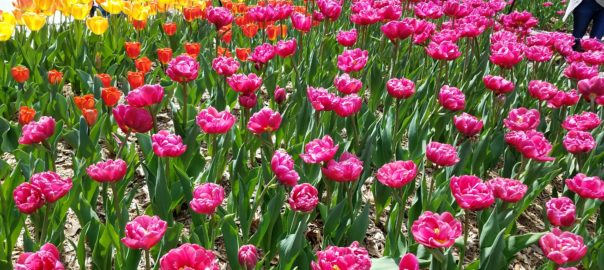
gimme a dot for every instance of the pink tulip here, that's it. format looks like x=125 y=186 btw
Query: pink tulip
x=455 y=9
x=28 y=198
x=347 y=85
x=248 y=100
x=286 y=48
x=449 y=36
x=183 y=69
x=219 y=16
x=321 y=99
x=428 y=10
x=538 y=53
x=445 y=50
x=507 y=55
x=541 y=90
x=108 y=171
x=265 y=120
x=225 y=66
x=144 y=232
x=591 y=88
x=532 y=144
x=561 y=211
x=301 y=22
x=280 y=95
x=471 y=193
x=146 y=95
x=212 y=121
x=408 y=262
x=562 y=247
x=248 y=256
x=580 y=71
x=282 y=165
x=36 y=132
x=585 y=121
x=52 y=186
x=507 y=190
x=244 y=83
x=422 y=31
x=397 y=174
x=397 y=30
x=348 y=169
x=347 y=38
x=352 y=60
x=47 y=258
x=352 y=257
x=319 y=150
x=206 y=198
x=389 y=10
x=263 y=53
x=303 y=198
x=167 y=145
x=348 y=105
x=331 y=9
x=577 y=142
x=467 y=124
x=518 y=21
x=562 y=98
x=436 y=231
x=522 y=119
x=497 y=84
x=400 y=88
x=593 y=58
x=132 y=119
x=587 y=187
x=442 y=154
x=190 y=257
x=451 y=98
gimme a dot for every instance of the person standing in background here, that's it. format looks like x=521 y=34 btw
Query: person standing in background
x=584 y=13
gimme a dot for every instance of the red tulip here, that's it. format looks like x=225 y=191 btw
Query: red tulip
x=133 y=49
x=110 y=95
x=26 y=115
x=20 y=73
x=169 y=28
x=55 y=77
x=136 y=79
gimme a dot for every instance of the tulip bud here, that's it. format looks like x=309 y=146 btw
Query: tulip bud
x=20 y=73
x=280 y=95
x=248 y=256
x=55 y=77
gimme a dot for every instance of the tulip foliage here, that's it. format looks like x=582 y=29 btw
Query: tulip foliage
x=293 y=134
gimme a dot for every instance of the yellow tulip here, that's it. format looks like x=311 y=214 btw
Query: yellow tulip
x=80 y=11
x=113 y=6
x=97 y=24
x=44 y=5
x=6 y=31
x=23 y=4
x=138 y=11
x=34 y=21
x=8 y=18
x=18 y=14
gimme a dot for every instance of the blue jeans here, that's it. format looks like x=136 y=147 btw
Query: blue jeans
x=585 y=13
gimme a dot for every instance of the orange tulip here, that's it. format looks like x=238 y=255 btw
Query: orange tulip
x=169 y=28
x=20 y=73
x=84 y=102
x=55 y=77
x=164 y=55
x=90 y=115
x=242 y=53
x=136 y=79
x=111 y=95
x=26 y=115
x=222 y=51
x=105 y=79
x=250 y=29
x=143 y=64
x=133 y=49
x=192 y=13
x=192 y=48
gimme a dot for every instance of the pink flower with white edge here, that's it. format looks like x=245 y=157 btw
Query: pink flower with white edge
x=206 y=198
x=319 y=150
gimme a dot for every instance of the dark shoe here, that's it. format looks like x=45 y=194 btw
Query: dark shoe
x=577 y=47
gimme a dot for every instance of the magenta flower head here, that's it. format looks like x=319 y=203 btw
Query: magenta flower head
x=286 y=48
x=263 y=53
x=541 y=90
x=347 y=38
x=580 y=71
x=585 y=121
x=538 y=53
x=303 y=198
x=497 y=84
x=531 y=144
x=451 y=98
x=225 y=66
x=508 y=55
x=577 y=142
x=189 y=256
x=248 y=256
x=321 y=99
x=265 y=120
x=28 y=198
x=467 y=124
x=400 y=88
x=206 y=198
x=522 y=119
x=442 y=154
x=591 y=88
x=347 y=85
x=436 y=231
x=183 y=68
x=167 y=145
x=47 y=258
x=397 y=174
x=428 y=10
x=319 y=150
x=445 y=50
x=212 y=121
x=52 y=186
x=587 y=187
x=561 y=211
x=348 y=169
x=248 y=100
x=219 y=16
x=352 y=60
x=331 y=9
x=301 y=22
x=282 y=165
x=352 y=257
x=132 y=119
x=108 y=171
x=471 y=193
x=408 y=262
x=561 y=99
x=146 y=95
x=397 y=30
x=562 y=247
x=144 y=232
x=36 y=132
x=348 y=105
x=279 y=95
x=507 y=190
x=244 y=83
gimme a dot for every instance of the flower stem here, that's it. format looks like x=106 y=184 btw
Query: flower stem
x=466 y=228
x=122 y=145
x=116 y=206
x=185 y=110
x=147 y=260
x=45 y=223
